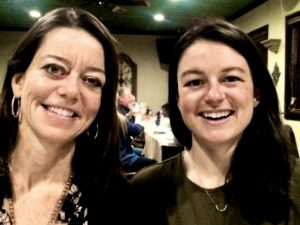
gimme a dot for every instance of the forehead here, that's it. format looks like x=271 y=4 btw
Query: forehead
x=126 y=93
x=69 y=40
x=208 y=46
x=211 y=53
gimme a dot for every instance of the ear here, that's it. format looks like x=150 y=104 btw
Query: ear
x=17 y=84
x=256 y=102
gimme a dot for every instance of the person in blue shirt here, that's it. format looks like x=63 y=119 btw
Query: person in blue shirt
x=131 y=157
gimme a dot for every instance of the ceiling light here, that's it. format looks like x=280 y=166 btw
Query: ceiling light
x=159 y=17
x=35 y=14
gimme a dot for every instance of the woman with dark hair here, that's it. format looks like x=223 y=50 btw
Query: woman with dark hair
x=224 y=109
x=59 y=156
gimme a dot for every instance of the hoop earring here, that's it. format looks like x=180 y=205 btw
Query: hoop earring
x=96 y=135
x=15 y=114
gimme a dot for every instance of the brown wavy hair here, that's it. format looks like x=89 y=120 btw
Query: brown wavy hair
x=259 y=171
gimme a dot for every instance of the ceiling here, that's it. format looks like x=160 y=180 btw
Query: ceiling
x=128 y=16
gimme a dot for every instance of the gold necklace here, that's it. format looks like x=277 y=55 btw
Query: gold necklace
x=205 y=190
x=56 y=209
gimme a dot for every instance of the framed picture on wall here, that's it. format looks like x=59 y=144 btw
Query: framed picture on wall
x=128 y=72
x=292 y=75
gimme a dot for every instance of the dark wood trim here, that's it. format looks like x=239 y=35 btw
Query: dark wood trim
x=292 y=62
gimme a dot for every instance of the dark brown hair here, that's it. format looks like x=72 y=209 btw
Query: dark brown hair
x=93 y=159
x=259 y=169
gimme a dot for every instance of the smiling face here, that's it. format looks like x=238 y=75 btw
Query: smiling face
x=216 y=93
x=61 y=89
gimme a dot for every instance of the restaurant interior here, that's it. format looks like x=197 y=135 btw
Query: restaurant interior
x=146 y=31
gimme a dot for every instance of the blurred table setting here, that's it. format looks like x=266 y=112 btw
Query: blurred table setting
x=160 y=142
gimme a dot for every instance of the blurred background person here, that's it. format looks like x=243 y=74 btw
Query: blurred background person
x=131 y=157
x=165 y=110
x=126 y=104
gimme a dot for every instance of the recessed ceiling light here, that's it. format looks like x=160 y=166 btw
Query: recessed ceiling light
x=159 y=17
x=35 y=14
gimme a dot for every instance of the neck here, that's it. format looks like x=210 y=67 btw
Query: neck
x=207 y=170
x=30 y=166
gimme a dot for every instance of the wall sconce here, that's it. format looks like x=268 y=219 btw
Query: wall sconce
x=271 y=44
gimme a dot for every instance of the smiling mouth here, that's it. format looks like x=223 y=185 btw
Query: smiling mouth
x=216 y=115
x=60 y=111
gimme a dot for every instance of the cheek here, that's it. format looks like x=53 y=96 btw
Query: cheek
x=36 y=80
x=94 y=104
x=245 y=103
x=36 y=88
x=246 y=98
x=187 y=102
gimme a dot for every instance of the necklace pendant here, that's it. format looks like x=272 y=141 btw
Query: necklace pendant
x=56 y=210
x=221 y=209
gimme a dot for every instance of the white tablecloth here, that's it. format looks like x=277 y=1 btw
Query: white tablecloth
x=155 y=139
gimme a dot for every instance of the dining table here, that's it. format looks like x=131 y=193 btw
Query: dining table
x=160 y=142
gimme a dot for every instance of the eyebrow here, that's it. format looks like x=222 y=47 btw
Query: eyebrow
x=234 y=68
x=201 y=72
x=95 y=69
x=58 y=58
x=192 y=71
x=89 y=68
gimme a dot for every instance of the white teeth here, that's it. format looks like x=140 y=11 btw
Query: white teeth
x=215 y=115
x=61 y=111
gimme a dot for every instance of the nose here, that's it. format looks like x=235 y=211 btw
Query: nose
x=70 y=87
x=214 y=95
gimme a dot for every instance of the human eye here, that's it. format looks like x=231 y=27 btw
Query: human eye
x=231 y=79
x=54 y=69
x=92 y=81
x=194 y=83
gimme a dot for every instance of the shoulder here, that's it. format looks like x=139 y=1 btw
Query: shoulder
x=155 y=175
x=295 y=171
x=134 y=127
x=116 y=188
x=156 y=188
x=294 y=192
x=113 y=204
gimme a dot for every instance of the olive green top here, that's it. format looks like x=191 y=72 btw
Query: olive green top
x=169 y=197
